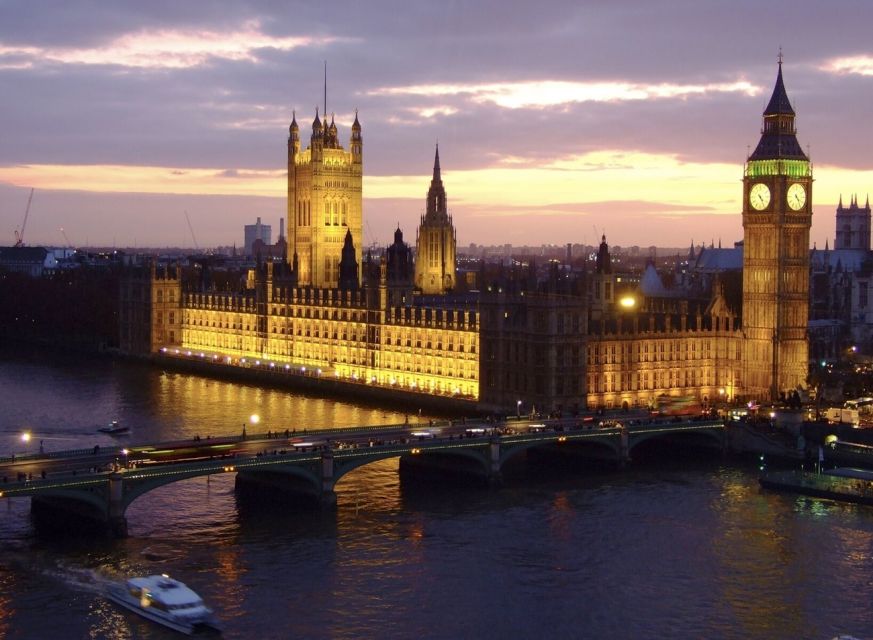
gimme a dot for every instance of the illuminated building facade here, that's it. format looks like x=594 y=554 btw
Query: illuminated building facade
x=324 y=200
x=436 y=243
x=150 y=310
x=777 y=215
x=352 y=335
x=666 y=349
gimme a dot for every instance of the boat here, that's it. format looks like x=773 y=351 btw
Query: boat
x=114 y=429
x=166 y=601
x=842 y=483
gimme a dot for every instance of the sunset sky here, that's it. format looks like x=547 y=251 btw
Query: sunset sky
x=556 y=121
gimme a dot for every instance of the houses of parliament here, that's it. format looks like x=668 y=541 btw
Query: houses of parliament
x=517 y=337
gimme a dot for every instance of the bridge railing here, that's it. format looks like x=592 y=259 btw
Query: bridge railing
x=511 y=422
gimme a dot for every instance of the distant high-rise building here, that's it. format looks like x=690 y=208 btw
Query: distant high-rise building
x=324 y=201
x=436 y=243
x=257 y=231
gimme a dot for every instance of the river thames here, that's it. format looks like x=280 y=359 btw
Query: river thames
x=690 y=549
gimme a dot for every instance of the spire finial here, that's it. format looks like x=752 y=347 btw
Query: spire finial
x=325 y=86
x=436 y=162
x=780 y=55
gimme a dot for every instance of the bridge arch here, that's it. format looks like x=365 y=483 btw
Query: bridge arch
x=711 y=438
x=609 y=445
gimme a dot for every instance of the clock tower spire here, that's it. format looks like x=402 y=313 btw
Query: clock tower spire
x=777 y=210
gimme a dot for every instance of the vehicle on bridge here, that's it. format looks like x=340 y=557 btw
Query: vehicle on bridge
x=208 y=450
x=678 y=406
x=423 y=435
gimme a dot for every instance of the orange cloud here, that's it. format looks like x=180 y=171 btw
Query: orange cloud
x=131 y=179
x=549 y=93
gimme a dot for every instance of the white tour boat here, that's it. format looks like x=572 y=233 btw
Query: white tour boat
x=165 y=601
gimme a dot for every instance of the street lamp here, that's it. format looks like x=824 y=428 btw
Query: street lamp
x=253 y=419
x=518 y=409
x=25 y=439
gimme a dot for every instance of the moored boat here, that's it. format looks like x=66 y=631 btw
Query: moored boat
x=166 y=601
x=844 y=484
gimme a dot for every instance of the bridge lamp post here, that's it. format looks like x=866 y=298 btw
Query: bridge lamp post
x=518 y=409
x=25 y=440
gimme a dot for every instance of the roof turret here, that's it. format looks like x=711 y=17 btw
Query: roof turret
x=778 y=135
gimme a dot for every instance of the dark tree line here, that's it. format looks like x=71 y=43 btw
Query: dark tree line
x=76 y=308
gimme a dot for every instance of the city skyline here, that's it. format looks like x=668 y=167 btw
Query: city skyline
x=556 y=123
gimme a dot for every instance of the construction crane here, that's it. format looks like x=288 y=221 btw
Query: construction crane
x=196 y=246
x=64 y=233
x=19 y=237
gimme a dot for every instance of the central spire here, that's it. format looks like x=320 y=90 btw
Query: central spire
x=779 y=103
x=436 y=164
x=436 y=195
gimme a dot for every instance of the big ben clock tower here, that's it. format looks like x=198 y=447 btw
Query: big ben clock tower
x=777 y=214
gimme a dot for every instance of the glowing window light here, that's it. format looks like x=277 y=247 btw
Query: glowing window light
x=628 y=302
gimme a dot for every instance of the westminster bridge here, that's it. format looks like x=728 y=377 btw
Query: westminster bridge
x=99 y=484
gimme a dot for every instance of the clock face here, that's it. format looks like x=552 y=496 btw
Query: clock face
x=796 y=196
x=759 y=196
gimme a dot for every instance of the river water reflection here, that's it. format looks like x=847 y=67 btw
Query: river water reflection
x=690 y=550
